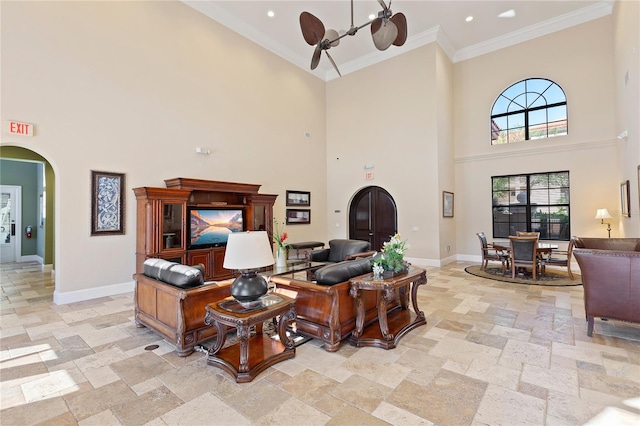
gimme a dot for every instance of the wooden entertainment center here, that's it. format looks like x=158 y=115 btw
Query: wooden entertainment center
x=162 y=228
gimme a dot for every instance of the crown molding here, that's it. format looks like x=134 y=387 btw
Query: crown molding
x=435 y=34
x=586 y=14
x=509 y=150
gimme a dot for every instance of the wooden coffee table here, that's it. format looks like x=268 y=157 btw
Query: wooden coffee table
x=390 y=328
x=253 y=353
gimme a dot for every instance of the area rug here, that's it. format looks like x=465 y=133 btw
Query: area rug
x=550 y=277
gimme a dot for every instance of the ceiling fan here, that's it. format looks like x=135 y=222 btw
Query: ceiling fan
x=386 y=29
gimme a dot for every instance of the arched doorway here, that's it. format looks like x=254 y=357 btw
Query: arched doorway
x=42 y=208
x=373 y=216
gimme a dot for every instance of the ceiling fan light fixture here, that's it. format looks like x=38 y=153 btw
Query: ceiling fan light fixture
x=386 y=29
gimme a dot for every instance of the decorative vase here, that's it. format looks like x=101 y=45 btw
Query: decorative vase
x=281 y=257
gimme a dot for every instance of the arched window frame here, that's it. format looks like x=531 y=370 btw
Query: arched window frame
x=534 y=108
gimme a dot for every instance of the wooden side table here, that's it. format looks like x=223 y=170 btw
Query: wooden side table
x=253 y=353
x=390 y=327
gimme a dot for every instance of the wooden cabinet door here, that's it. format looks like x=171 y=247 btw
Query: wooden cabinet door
x=219 y=271
x=204 y=257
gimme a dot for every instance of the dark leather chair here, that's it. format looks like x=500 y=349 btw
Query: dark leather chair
x=340 y=250
x=561 y=258
x=524 y=254
x=491 y=253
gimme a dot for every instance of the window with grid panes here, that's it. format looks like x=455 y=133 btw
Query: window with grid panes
x=537 y=202
x=529 y=109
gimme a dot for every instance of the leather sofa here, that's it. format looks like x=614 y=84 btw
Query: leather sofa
x=170 y=299
x=324 y=308
x=610 y=269
x=340 y=250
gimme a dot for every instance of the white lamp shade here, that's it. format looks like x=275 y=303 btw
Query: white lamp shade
x=602 y=214
x=248 y=250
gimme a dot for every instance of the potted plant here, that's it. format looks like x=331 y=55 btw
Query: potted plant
x=390 y=261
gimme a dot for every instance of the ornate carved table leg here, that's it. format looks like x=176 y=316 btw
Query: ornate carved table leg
x=387 y=295
x=243 y=337
x=285 y=320
x=221 y=335
x=357 y=295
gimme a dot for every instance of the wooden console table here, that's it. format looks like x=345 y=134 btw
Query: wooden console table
x=253 y=353
x=388 y=330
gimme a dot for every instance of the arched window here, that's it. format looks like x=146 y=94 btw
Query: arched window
x=530 y=109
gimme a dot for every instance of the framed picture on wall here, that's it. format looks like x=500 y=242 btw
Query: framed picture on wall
x=298 y=217
x=107 y=203
x=298 y=198
x=625 y=198
x=447 y=204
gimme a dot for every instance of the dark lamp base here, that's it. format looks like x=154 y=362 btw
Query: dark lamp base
x=248 y=287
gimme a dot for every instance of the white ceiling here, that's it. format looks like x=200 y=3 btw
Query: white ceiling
x=427 y=21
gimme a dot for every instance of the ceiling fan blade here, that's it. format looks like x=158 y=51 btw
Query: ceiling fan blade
x=333 y=63
x=315 y=59
x=385 y=34
x=332 y=35
x=312 y=28
x=401 y=22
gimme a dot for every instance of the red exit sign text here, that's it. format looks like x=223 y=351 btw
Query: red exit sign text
x=18 y=128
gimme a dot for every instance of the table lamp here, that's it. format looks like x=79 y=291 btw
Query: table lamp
x=246 y=252
x=603 y=214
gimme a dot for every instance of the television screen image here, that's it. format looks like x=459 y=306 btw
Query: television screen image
x=211 y=227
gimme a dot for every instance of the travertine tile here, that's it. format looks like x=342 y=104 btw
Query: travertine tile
x=491 y=353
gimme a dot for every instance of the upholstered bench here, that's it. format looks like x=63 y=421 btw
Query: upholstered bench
x=170 y=299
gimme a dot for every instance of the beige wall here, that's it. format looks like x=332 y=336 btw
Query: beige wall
x=627 y=62
x=135 y=87
x=580 y=60
x=386 y=115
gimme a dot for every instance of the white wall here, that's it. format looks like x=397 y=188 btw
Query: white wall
x=135 y=87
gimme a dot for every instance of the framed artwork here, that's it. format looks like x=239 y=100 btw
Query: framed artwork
x=625 y=198
x=298 y=217
x=107 y=203
x=298 y=198
x=447 y=204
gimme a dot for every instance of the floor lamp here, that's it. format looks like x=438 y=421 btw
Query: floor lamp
x=603 y=214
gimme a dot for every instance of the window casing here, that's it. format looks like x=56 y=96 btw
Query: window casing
x=537 y=202
x=529 y=109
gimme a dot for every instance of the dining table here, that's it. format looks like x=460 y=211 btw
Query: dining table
x=544 y=249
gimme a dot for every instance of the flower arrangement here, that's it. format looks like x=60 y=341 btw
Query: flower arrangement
x=279 y=235
x=391 y=257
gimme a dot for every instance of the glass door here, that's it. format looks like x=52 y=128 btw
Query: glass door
x=172 y=218
x=9 y=223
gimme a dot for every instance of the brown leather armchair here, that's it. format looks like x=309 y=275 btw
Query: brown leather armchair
x=610 y=269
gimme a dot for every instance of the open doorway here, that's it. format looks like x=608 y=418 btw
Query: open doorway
x=33 y=227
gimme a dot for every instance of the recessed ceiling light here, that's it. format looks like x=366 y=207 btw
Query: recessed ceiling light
x=469 y=18
x=271 y=14
x=508 y=14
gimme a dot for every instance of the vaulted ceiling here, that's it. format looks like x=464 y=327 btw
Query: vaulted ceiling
x=495 y=24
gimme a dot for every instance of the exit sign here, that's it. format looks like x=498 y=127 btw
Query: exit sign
x=368 y=175
x=18 y=128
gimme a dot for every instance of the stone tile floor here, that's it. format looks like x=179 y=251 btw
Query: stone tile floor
x=491 y=353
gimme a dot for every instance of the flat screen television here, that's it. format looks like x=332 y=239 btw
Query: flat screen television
x=211 y=226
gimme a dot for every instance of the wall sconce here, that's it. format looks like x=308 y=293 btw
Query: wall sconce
x=603 y=214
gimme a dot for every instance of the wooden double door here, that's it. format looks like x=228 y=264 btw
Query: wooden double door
x=373 y=216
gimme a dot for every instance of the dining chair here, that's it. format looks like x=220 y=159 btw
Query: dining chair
x=528 y=234
x=524 y=254
x=561 y=258
x=491 y=253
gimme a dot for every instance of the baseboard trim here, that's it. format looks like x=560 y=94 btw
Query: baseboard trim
x=92 y=293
